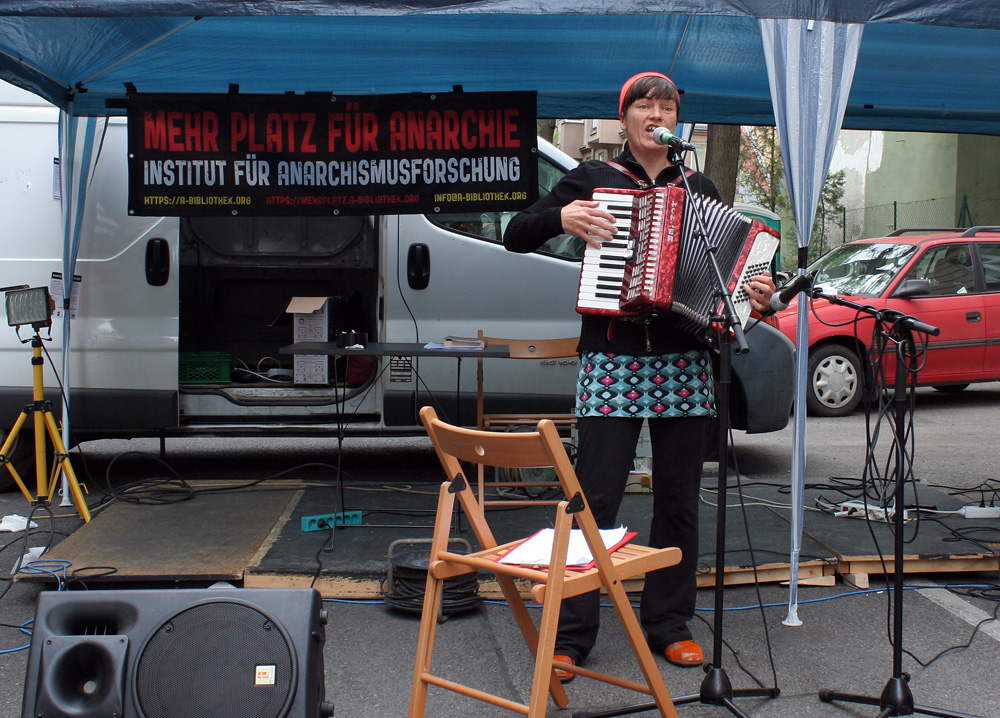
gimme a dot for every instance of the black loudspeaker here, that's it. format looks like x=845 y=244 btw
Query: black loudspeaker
x=219 y=652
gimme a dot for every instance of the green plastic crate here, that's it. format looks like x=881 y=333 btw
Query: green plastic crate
x=204 y=367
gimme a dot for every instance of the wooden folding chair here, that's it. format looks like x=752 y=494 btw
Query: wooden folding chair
x=550 y=585
x=537 y=349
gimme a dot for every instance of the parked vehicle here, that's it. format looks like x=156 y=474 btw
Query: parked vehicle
x=162 y=296
x=947 y=278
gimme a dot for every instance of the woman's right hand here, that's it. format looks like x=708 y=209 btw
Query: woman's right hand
x=585 y=219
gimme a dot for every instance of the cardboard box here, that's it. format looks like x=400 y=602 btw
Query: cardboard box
x=310 y=323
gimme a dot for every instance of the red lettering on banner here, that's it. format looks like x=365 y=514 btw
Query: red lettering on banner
x=242 y=128
x=488 y=129
x=273 y=137
x=174 y=130
x=510 y=128
x=181 y=131
x=399 y=125
x=201 y=132
x=307 y=145
x=451 y=127
x=334 y=122
x=352 y=138
x=433 y=131
x=468 y=127
x=453 y=130
x=358 y=130
x=282 y=132
x=154 y=135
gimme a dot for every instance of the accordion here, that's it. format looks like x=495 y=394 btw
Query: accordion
x=655 y=263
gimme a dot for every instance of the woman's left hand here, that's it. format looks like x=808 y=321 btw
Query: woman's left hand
x=759 y=289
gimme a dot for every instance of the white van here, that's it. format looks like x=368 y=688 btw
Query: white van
x=166 y=302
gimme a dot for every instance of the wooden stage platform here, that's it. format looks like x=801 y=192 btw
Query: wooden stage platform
x=256 y=538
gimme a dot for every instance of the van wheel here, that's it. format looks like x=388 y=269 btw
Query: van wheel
x=22 y=456
x=951 y=388
x=835 y=381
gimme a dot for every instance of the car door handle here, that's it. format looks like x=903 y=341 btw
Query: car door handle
x=418 y=266
x=973 y=317
x=157 y=261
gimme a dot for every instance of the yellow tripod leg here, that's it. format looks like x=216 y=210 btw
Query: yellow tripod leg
x=64 y=464
x=7 y=445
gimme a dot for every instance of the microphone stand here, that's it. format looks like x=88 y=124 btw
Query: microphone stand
x=716 y=688
x=896 y=698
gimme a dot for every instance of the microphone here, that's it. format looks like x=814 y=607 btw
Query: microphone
x=781 y=299
x=663 y=136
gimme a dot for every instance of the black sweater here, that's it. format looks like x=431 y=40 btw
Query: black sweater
x=531 y=228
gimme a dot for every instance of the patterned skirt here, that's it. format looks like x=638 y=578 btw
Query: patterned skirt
x=620 y=385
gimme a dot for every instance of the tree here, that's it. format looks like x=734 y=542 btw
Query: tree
x=722 y=159
x=829 y=224
x=761 y=172
x=546 y=129
x=762 y=182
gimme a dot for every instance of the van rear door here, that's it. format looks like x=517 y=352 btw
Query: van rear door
x=452 y=276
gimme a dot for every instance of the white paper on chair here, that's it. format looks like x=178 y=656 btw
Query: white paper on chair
x=536 y=550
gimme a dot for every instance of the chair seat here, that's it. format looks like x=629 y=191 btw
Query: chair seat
x=630 y=560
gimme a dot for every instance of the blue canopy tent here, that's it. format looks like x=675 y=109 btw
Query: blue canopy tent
x=917 y=67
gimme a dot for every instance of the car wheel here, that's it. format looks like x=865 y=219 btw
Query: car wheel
x=835 y=381
x=21 y=456
x=951 y=388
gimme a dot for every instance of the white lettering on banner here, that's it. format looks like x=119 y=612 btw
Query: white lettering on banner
x=361 y=173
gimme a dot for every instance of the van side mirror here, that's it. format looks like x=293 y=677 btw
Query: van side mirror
x=912 y=288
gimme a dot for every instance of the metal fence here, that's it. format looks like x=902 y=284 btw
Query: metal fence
x=881 y=219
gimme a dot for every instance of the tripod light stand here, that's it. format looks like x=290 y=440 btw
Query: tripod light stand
x=34 y=307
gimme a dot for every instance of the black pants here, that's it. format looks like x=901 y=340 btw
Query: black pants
x=604 y=458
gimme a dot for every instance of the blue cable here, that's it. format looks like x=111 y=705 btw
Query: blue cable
x=848 y=594
x=53 y=567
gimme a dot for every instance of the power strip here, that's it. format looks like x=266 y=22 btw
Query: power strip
x=972 y=511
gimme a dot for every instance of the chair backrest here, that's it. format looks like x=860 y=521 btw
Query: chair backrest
x=522 y=349
x=515 y=450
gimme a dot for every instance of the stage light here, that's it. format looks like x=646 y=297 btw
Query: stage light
x=30 y=306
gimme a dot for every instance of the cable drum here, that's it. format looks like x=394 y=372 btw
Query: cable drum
x=404 y=586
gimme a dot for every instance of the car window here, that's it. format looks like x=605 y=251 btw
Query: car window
x=947 y=268
x=989 y=255
x=860 y=270
x=491 y=225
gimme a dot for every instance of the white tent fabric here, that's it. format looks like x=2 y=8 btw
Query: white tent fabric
x=810 y=66
x=78 y=153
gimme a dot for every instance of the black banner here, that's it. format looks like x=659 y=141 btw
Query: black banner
x=320 y=154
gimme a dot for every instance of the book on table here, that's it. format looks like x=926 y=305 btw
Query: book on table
x=469 y=342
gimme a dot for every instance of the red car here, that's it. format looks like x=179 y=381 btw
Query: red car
x=947 y=278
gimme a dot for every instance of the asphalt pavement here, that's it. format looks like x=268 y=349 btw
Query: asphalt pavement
x=951 y=644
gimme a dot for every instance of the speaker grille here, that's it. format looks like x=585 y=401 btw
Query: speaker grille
x=205 y=662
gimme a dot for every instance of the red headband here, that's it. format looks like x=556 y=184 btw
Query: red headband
x=631 y=81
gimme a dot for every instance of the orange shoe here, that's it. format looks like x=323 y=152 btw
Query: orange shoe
x=686 y=654
x=564 y=676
